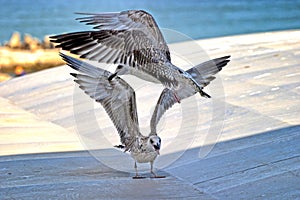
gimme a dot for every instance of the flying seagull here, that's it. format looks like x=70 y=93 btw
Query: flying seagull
x=118 y=99
x=132 y=40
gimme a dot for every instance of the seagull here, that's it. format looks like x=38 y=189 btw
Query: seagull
x=132 y=40
x=118 y=99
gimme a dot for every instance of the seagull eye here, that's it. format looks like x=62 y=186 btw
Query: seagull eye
x=151 y=141
x=119 y=67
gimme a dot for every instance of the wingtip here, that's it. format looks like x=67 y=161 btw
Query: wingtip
x=222 y=62
x=120 y=146
x=74 y=75
x=84 y=13
x=88 y=15
x=66 y=57
x=204 y=94
x=63 y=56
x=70 y=61
x=226 y=57
x=53 y=37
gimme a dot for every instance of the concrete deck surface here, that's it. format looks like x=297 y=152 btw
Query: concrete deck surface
x=256 y=156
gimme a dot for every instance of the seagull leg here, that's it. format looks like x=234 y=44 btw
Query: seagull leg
x=176 y=97
x=152 y=172
x=136 y=172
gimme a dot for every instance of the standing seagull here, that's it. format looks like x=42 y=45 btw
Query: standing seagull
x=118 y=99
x=132 y=40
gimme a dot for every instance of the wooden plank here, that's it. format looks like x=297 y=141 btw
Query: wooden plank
x=77 y=177
x=281 y=186
x=22 y=132
x=258 y=161
x=221 y=149
x=261 y=173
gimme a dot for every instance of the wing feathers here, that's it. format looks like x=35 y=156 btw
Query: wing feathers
x=116 y=97
x=203 y=74
x=117 y=33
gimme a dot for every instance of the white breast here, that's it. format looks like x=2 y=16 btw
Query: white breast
x=144 y=157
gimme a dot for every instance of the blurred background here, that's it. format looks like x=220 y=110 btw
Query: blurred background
x=33 y=21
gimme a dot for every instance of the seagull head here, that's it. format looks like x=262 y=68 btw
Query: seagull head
x=154 y=142
x=122 y=69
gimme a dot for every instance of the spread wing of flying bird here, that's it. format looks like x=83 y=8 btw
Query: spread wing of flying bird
x=118 y=99
x=202 y=73
x=129 y=37
x=132 y=40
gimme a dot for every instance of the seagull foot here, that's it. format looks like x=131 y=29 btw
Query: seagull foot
x=158 y=176
x=138 y=177
x=176 y=97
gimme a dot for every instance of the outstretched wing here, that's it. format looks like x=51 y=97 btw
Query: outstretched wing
x=116 y=97
x=203 y=74
x=129 y=37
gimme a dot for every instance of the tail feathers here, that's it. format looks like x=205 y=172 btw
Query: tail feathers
x=204 y=94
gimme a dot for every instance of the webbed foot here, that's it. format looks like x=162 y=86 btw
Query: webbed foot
x=156 y=176
x=138 y=177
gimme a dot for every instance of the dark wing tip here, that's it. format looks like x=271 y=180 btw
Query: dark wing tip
x=70 y=61
x=65 y=58
x=222 y=62
x=120 y=146
x=62 y=55
x=74 y=75
x=204 y=94
x=224 y=57
x=83 y=13
x=53 y=36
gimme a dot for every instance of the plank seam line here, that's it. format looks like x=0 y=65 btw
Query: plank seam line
x=248 y=169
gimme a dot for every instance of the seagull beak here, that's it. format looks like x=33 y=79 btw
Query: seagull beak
x=112 y=76
x=157 y=151
x=157 y=148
